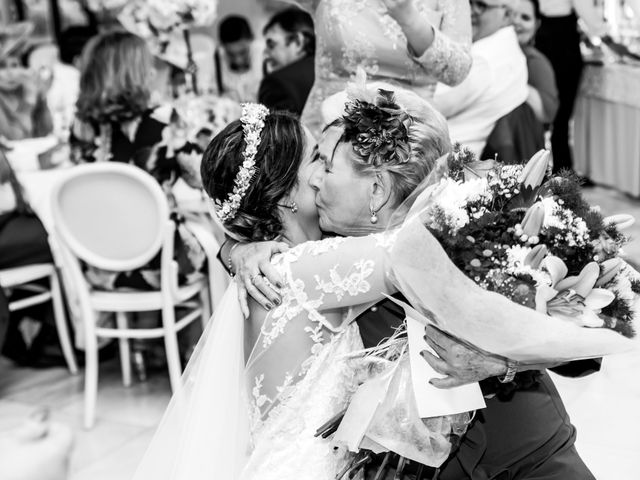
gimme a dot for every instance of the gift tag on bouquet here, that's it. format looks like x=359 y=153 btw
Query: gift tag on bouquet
x=432 y=401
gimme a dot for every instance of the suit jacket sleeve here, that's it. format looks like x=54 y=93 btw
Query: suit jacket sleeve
x=275 y=95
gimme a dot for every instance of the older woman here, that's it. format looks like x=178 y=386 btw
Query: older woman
x=525 y=431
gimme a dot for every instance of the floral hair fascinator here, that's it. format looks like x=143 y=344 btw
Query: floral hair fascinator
x=376 y=126
x=253 y=116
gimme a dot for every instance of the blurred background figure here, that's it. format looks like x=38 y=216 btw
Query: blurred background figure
x=238 y=60
x=558 y=38
x=543 y=93
x=497 y=82
x=290 y=45
x=413 y=44
x=23 y=104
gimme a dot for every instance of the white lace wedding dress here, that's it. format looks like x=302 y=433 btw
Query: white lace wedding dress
x=257 y=419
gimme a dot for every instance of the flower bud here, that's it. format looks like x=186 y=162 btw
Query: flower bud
x=535 y=256
x=533 y=220
x=621 y=221
x=608 y=270
x=535 y=170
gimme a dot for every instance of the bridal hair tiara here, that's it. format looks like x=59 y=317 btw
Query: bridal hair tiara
x=253 y=116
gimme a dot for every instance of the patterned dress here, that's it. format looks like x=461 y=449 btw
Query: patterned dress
x=359 y=33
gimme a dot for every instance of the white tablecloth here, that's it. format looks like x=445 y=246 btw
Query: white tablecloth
x=607 y=127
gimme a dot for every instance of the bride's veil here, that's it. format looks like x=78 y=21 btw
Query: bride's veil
x=204 y=433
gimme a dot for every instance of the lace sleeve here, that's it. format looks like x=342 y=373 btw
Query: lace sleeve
x=448 y=59
x=339 y=272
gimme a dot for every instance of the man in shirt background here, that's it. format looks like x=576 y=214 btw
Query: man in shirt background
x=497 y=81
x=289 y=58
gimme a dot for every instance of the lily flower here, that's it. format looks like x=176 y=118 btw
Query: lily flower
x=572 y=298
x=533 y=220
x=622 y=220
x=535 y=256
x=535 y=170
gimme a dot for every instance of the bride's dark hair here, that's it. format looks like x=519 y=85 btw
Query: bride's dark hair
x=281 y=150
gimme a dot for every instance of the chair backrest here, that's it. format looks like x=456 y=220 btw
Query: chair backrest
x=111 y=215
x=516 y=137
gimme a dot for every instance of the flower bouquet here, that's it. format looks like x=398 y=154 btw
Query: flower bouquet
x=506 y=258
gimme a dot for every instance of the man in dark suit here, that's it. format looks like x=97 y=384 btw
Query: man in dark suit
x=289 y=52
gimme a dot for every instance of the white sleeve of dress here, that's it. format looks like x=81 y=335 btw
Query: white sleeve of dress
x=448 y=59
x=338 y=272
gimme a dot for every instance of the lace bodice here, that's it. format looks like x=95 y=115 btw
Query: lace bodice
x=353 y=33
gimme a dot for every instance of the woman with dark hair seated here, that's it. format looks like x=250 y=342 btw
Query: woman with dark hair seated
x=543 y=93
x=115 y=122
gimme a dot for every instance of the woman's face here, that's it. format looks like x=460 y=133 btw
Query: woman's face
x=303 y=195
x=525 y=22
x=342 y=195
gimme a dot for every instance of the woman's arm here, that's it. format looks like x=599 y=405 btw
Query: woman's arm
x=445 y=52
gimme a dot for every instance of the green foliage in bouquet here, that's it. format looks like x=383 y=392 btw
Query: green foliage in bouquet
x=532 y=237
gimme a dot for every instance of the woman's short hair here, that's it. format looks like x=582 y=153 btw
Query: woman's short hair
x=278 y=158
x=115 y=75
x=427 y=140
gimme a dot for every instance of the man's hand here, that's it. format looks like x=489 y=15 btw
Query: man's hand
x=458 y=362
x=256 y=277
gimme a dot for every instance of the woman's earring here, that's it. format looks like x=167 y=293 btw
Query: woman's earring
x=374 y=217
x=291 y=206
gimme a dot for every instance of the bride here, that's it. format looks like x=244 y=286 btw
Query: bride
x=255 y=392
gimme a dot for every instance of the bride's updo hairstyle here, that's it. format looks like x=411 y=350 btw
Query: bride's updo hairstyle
x=278 y=155
x=390 y=130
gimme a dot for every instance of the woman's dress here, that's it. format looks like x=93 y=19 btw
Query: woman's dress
x=358 y=33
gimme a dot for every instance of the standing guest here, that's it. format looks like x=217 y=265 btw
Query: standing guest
x=289 y=53
x=497 y=82
x=410 y=43
x=238 y=65
x=558 y=39
x=543 y=93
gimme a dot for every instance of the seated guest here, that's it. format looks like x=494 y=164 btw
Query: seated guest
x=290 y=48
x=497 y=81
x=238 y=60
x=543 y=93
x=23 y=105
x=115 y=122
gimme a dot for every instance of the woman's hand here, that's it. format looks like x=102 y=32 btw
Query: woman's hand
x=402 y=11
x=461 y=364
x=251 y=263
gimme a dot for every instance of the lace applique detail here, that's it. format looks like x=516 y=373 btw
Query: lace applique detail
x=353 y=284
x=294 y=301
x=386 y=240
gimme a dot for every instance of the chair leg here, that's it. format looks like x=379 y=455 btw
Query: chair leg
x=61 y=324
x=90 y=380
x=205 y=300
x=125 y=349
x=171 y=346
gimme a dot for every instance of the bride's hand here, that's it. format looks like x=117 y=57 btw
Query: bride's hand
x=256 y=276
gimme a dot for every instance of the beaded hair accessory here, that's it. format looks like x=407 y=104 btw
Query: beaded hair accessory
x=253 y=116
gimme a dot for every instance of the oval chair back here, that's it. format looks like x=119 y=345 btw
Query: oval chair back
x=111 y=215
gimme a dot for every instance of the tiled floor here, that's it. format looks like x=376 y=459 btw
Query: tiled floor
x=603 y=406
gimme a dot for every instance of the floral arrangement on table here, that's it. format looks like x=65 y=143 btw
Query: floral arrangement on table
x=532 y=237
x=158 y=21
